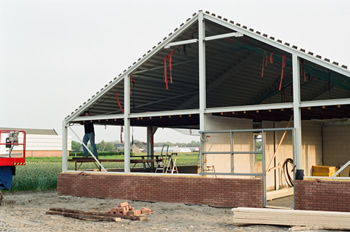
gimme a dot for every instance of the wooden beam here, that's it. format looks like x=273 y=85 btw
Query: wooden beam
x=84 y=216
x=279 y=145
x=91 y=214
x=310 y=218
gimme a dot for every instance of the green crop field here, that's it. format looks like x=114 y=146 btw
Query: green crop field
x=41 y=173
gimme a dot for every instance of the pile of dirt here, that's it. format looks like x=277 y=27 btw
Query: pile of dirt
x=29 y=214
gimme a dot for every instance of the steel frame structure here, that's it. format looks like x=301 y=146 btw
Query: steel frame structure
x=201 y=18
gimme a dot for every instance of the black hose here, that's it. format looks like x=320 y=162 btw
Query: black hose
x=289 y=179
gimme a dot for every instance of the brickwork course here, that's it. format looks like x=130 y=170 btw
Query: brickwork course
x=189 y=190
x=322 y=195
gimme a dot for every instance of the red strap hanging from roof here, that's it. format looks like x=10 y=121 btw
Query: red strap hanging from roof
x=271 y=58
x=170 y=67
x=264 y=62
x=120 y=106
x=283 y=66
x=165 y=73
x=169 y=56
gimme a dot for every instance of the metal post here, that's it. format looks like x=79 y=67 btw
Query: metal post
x=232 y=158
x=201 y=147
x=126 y=124
x=263 y=168
x=297 y=116
x=64 y=145
x=149 y=142
x=293 y=143
x=202 y=71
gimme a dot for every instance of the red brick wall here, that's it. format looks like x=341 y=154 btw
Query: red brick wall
x=189 y=190
x=322 y=195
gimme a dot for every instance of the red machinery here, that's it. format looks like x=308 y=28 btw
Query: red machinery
x=12 y=153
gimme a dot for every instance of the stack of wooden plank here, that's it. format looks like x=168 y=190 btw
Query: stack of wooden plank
x=84 y=215
x=123 y=210
x=307 y=218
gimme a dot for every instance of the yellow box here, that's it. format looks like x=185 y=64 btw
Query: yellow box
x=319 y=170
x=322 y=173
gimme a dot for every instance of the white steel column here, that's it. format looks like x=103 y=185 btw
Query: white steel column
x=64 y=145
x=149 y=142
x=202 y=71
x=126 y=124
x=297 y=114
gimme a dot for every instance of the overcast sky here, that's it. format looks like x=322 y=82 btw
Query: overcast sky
x=55 y=54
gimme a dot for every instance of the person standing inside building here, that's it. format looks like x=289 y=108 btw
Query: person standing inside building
x=89 y=135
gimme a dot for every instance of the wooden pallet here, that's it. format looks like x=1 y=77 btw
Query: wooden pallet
x=308 y=218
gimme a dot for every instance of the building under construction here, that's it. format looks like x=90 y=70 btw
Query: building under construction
x=269 y=113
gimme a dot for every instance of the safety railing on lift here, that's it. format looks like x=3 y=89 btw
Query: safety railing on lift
x=10 y=141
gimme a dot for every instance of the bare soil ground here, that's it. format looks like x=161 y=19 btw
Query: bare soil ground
x=29 y=214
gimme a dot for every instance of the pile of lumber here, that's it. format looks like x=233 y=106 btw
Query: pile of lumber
x=123 y=210
x=83 y=215
x=306 y=218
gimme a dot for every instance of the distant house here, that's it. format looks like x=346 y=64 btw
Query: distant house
x=119 y=146
x=39 y=142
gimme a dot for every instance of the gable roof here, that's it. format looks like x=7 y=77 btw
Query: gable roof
x=228 y=60
x=33 y=131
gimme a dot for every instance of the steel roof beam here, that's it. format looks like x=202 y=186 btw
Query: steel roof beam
x=332 y=102
x=98 y=117
x=250 y=107
x=223 y=36
x=164 y=113
x=214 y=37
x=178 y=43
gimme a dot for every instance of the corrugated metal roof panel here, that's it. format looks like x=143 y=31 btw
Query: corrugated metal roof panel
x=234 y=67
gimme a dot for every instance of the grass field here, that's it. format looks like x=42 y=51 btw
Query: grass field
x=41 y=173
